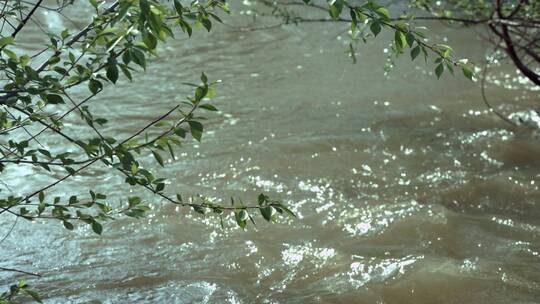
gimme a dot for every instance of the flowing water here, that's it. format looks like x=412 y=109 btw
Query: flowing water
x=407 y=189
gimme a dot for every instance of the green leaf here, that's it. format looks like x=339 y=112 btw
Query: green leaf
x=112 y=72
x=126 y=57
x=41 y=208
x=94 y=3
x=208 y=107
x=207 y=24
x=335 y=10
x=375 y=27
x=126 y=72
x=95 y=86
x=68 y=225
x=54 y=99
x=54 y=60
x=196 y=129
x=145 y=7
x=243 y=215
x=354 y=21
x=287 y=210
x=241 y=218
x=96 y=227
x=6 y=40
x=34 y=295
x=186 y=27
x=450 y=68
x=45 y=152
x=200 y=93
x=415 y=52
x=399 y=39
x=10 y=54
x=410 y=39
x=64 y=34
x=25 y=59
x=134 y=168
x=180 y=132
x=439 y=70
x=32 y=74
x=150 y=40
x=199 y=209
x=266 y=212
x=138 y=57
x=211 y=93
x=158 y=158
x=100 y=121
x=154 y=22
x=261 y=199
x=179 y=8
x=215 y=17
x=383 y=12
x=467 y=71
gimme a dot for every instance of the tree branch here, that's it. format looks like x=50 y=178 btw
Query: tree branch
x=20 y=271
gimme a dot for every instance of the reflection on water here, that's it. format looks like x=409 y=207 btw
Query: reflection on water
x=407 y=189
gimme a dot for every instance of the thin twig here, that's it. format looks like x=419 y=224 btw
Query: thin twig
x=20 y=271
x=486 y=102
x=10 y=230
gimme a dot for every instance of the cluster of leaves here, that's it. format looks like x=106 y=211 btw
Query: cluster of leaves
x=513 y=26
x=369 y=20
x=15 y=290
x=120 y=38
x=37 y=96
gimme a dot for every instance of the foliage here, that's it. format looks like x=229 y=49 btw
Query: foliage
x=121 y=37
x=17 y=289
x=36 y=97
x=514 y=27
x=368 y=21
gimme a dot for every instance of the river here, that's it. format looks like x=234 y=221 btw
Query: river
x=407 y=189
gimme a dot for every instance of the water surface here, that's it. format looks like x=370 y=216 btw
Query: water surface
x=407 y=189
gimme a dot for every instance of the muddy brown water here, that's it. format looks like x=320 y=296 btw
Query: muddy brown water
x=406 y=188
